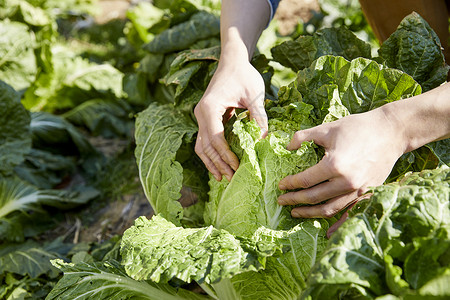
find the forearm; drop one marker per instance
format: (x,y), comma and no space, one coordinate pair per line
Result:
(241,24)
(422,119)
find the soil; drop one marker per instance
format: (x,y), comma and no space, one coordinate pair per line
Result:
(289,12)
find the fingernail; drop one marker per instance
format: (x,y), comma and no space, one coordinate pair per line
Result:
(280,201)
(228,177)
(295,214)
(218,178)
(281,186)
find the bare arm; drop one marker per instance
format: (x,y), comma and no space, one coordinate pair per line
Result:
(236,84)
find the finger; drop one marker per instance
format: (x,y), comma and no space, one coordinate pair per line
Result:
(216,159)
(208,163)
(317,193)
(306,179)
(215,129)
(258,112)
(326,210)
(336,225)
(301,136)
(344,216)
(220,145)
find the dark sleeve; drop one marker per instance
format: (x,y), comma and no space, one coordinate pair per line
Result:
(273,7)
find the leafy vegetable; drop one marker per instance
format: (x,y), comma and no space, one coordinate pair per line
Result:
(160,132)
(108,280)
(415,49)
(200,26)
(204,255)
(17,64)
(391,239)
(15,137)
(300,53)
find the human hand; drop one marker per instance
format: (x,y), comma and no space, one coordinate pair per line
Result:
(360,151)
(235,84)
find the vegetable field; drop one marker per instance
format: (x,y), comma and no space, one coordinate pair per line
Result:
(103,197)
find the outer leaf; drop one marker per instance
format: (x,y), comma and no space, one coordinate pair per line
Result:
(28,258)
(15,137)
(108,280)
(17,197)
(102,117)
(415,49)
(44,169)
(160,131)
(18,63)
(55,134)
(386,246)
(202,25)
(284,277)
(360,85)
(72,81)
(440,149)
(201,254)
(300,53)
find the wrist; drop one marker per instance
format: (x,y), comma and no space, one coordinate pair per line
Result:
(234,49)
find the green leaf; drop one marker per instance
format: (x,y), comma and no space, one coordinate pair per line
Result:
(200,26)
(415,49)
(53,133)
(44,169)
(107,118)
(27,258)
(395,243)
(18,197)
(336,87)
(160,131)
(15,137)
(17,63)
(300,53)
(201,254)
(72,81)
(108,280)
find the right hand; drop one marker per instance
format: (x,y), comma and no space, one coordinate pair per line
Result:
(235,84)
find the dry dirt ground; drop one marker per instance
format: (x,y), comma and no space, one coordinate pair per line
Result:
(119,214)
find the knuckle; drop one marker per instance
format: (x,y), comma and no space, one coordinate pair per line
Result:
(328,212)
(311,197)
(198,149)
(351,184)
(301,182)
(297,136)
(336,167)
(216,142)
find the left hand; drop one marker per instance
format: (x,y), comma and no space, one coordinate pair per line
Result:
(360,151)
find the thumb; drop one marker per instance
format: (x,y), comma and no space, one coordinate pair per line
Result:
(258,112)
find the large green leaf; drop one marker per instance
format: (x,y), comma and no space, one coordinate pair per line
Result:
(160,132)
(202,254)
(44,169)
(108,280)
(300,53)
(337,87)
(27,258)
(18,197)
(17,63)
(108,118)
(200,26)
(415,49)
(15,137)
(72,81)
(394,243)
